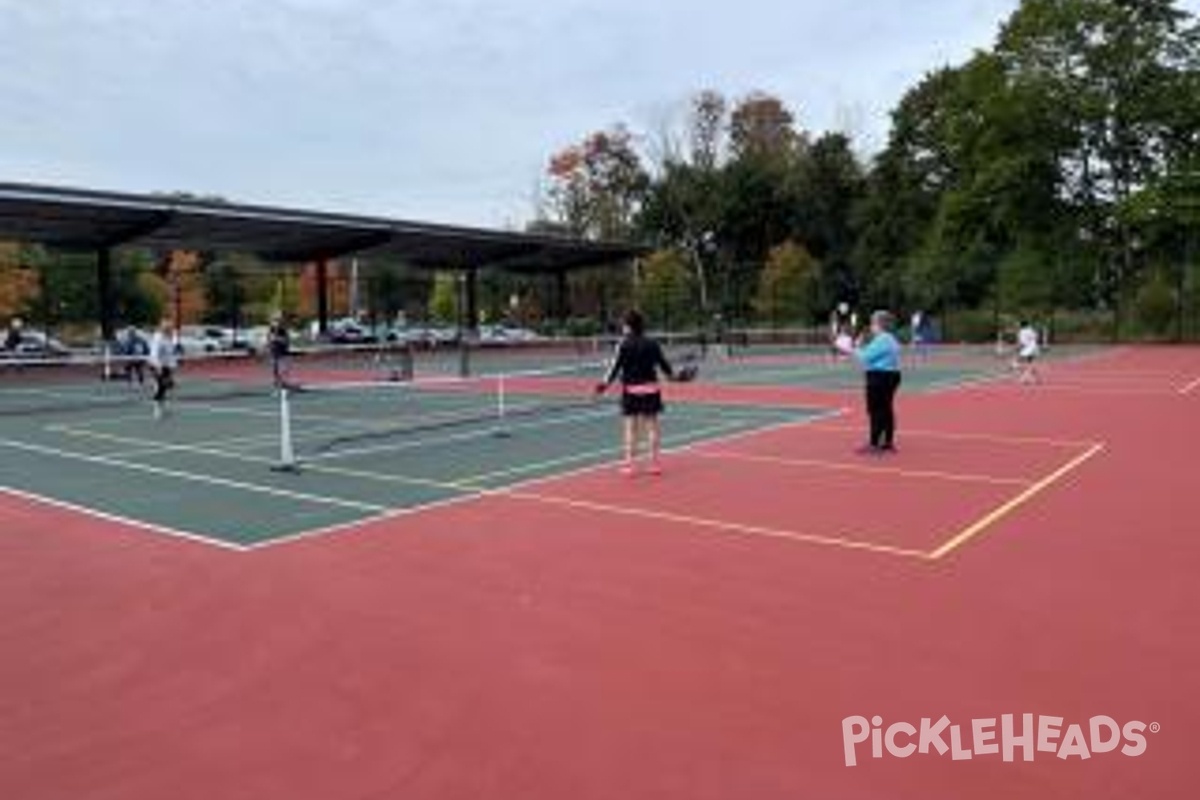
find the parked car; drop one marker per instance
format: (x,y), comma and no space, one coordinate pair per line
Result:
(506,334)
(350,331)
(38,344)
(254,340)
(222,338)
(441,334)
(189,344)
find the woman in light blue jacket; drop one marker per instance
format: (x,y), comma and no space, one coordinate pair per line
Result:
(880,358)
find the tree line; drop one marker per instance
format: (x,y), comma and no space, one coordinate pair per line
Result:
(1056,172)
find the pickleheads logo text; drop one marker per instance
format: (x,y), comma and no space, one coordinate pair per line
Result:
(1027,735)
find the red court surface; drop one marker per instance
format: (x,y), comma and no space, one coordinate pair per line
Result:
(702,635)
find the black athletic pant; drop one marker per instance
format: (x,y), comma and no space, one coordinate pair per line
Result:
(881,397)
(164,381)
(135,371)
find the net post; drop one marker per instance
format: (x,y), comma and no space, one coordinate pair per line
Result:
(408,359)
(502,407)
(464,358)
(287,452)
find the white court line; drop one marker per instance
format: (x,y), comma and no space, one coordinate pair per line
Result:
(117,519)
(470,493)
(467,484)
(491,430)
(948,385)
(264,440)
(1191,387)
(488,431)
(1084,389)
(842,466)
(227,455)
(997,375)
(377,512)
(678,449)
(970,437)
(587,455)
(723,526)
(803,371)
(190,477)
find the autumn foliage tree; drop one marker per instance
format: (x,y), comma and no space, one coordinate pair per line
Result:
(18,283)
(596,187)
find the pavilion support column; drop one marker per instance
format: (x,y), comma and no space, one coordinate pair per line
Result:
(562,303)
(471,318)
(104,287)
(323,298)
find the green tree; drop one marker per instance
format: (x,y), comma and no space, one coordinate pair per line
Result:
(787,286)
(385,291)
(443,301)
(828,184)
(1155,305)
(139,297)
(666,289)
(1025,284)
(904,189)
(225,295)
(1122,79)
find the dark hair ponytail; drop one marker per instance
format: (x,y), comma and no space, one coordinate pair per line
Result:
(635,322)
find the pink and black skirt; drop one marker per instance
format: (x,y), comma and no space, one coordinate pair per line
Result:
(642,400)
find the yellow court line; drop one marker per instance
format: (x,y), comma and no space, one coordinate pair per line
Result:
(731,528)
(960,477)
(1093,390)
(1116,374)
(1073,444)
(474,484)
(699,435)
(1191,387)
(469,485)
(188,477)
(163,447)
(975,529)
(1112,379)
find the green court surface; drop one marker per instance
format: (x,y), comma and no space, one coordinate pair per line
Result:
(948,367)
(838,376)
(205,471)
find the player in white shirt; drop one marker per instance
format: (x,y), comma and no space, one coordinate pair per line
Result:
(163,360)
(1028,349)
(843,325)
(919,335)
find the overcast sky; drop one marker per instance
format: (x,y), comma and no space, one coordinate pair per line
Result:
(429,109)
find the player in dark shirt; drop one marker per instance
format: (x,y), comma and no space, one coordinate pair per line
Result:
(279,346)
(638,364)
(12,336)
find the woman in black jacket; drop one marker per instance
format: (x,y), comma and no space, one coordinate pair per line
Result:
(637,366)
